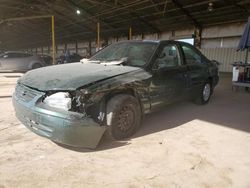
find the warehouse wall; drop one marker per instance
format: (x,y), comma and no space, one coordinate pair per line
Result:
(218,42)
(222,36)
(226,56)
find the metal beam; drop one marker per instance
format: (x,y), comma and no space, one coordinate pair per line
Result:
(158,13)
(236,4)
(68,19)
(99,3)
(228,17)
(98,36)
(185,11)
(53,39)
(155,5)
(26,18)
(61,15)
(134,14)
(165,6)
(117,7)
(94,18)
(130,33)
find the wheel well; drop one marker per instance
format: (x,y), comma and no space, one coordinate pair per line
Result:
(101,106)
(128,91)
(210,79)
(117,92)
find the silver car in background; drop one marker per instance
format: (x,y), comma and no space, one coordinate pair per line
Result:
(19,61)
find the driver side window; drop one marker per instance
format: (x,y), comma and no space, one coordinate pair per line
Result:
(191,56)
(169,57)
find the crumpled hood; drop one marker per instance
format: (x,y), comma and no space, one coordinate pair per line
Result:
(71,76)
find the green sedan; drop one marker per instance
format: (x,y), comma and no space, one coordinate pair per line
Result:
(75,104)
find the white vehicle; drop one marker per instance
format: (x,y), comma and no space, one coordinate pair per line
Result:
(19,61)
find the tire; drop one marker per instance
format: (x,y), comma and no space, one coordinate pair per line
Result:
(36,66)
(123,116)
(204,94)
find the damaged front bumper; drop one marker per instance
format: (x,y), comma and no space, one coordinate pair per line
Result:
(69,128)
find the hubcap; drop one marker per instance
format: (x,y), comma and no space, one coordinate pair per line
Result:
(206,92)
(126,118)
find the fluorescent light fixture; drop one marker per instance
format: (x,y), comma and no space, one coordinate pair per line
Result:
(78,12)
(210,7)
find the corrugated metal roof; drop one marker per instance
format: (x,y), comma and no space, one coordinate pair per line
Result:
(115,17)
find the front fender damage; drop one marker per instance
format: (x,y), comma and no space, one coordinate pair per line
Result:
(91,100)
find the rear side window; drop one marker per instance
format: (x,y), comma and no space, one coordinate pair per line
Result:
(191,55)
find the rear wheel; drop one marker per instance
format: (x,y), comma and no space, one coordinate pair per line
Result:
(123,116)
(204,94)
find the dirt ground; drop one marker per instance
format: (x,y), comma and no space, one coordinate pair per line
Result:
(184,145)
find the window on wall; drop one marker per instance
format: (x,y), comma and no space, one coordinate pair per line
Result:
(188,40)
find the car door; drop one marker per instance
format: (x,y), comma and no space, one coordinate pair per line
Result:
(168,76)
(197,71)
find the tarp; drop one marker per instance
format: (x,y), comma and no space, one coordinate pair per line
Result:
(245,39)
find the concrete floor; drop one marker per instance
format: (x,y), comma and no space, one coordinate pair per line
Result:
(184,145)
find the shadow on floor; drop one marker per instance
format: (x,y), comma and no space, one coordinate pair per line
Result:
(226,108)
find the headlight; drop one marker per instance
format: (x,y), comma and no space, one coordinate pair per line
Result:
(59,100)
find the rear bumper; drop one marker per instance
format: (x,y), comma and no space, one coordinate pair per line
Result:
(69,128)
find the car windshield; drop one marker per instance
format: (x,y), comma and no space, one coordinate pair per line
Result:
(131,53)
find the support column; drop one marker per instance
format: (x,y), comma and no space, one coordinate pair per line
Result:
(90,53)
(53,39)
(130,33)
(98,36)
(197,37)
(76,47)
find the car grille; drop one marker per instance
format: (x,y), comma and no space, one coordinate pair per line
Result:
(25,94)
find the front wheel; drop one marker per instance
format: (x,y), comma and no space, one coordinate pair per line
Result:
(123,116)
(204,94)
